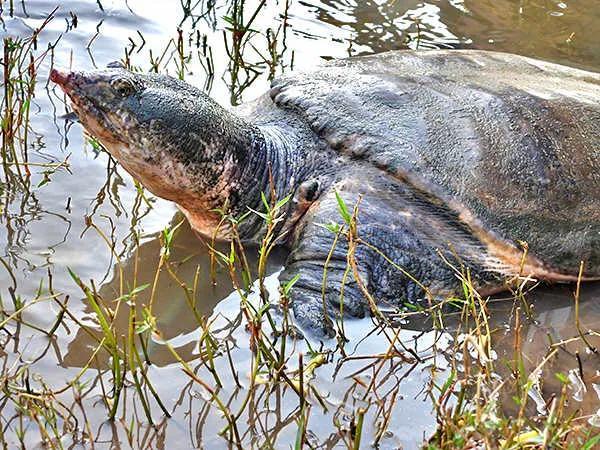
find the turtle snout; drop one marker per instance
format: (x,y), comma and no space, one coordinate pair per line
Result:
(67,80)
(60,77)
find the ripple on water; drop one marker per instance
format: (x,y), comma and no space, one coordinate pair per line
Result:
(44,228)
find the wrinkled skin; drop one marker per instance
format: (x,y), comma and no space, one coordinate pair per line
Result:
(453,158)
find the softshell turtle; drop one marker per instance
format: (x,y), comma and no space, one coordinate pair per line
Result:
(453,157)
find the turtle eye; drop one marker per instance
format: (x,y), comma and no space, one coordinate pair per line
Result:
(123,86)
(115,65)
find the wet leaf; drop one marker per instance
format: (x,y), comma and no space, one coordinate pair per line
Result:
(343,209)
(287,287)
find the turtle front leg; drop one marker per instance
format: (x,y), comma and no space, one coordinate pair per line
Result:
(326,287)
(395,258)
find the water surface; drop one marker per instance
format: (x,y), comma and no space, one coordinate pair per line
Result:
(45,229)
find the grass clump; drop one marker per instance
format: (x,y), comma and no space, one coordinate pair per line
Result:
(20,64)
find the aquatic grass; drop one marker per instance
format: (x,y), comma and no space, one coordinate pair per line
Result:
(473,343)
(236,37)
(126,356)
(477,416)
(467,403)
(239,35)
(268,361)
(32,404)
(251,52)
(20,63)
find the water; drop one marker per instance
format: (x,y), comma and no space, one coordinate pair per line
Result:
(45,229)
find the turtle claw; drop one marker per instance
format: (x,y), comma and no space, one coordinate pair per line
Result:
(310,316)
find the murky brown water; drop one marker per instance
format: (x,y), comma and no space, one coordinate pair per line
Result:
(44,229)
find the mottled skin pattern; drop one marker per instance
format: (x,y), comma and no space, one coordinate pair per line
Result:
(459,154)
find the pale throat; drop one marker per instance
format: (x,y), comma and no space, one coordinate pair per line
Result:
(199,212)
(208,224)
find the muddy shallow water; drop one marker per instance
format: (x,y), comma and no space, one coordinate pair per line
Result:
(45,227)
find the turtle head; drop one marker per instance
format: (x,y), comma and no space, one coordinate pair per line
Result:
(168,134)
(108,103)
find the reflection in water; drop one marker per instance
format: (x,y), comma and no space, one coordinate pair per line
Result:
(553,30)
(79,210)
(190,262)
(383,26)
(551,325)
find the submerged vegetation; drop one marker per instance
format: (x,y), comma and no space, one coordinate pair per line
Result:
(132,352)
